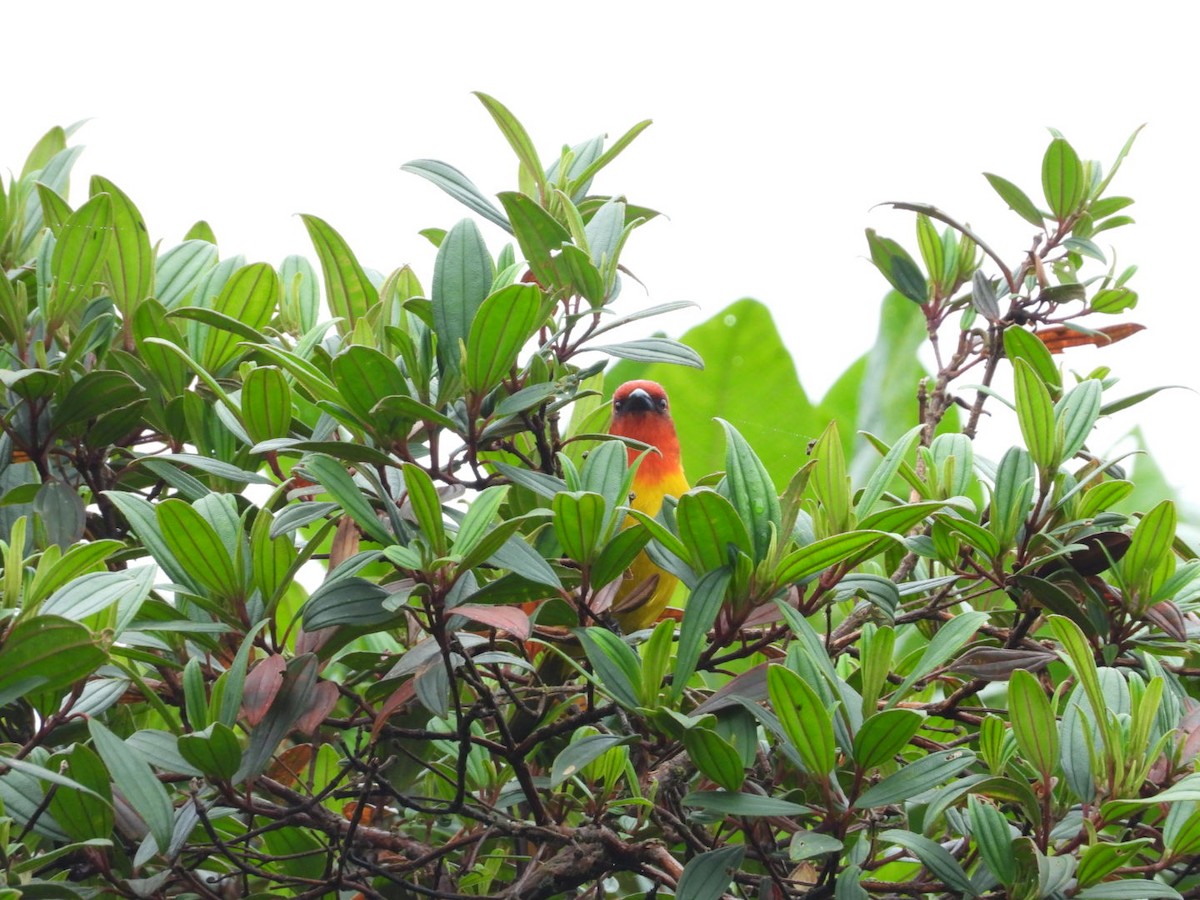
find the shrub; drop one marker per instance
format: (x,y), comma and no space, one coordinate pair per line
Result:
(303,598)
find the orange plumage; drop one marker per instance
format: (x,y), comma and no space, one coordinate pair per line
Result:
(641,411)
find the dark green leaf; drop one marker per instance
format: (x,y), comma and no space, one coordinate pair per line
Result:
(1018,201)
(215,751)
(616,666)
(742,804)
(897,267)
(578,754)
(704,603)
(194,542)
(707,876)
(715,757)
(916,778)
(936,858)
(335,479)
(135,779)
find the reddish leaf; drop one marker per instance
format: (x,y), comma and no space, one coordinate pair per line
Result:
(505,618)
(1059,338)
(313,641)
(350,813)
(324,698)
(401,697)
(289,765)
(262,686)
(1167,616)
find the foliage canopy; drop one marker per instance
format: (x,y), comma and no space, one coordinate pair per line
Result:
(287,550)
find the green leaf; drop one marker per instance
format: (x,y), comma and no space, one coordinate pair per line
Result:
(617,667)
(751,491)
(46,654)
(1114,300)
(136,780)
(808,844)
(947,642)
(916,778)
(335,479)
(79,256)
(579,523)
(518,139)
(505,321)
(1022,344)
(539,235)
(993,837)
(194,542)
(130,257)
(1035,415)
(897,267)
(215,751)
(365,377)
(1018,201)
(1033,721)
(704,603)
(1062,179)
(1012,496)
(458,186)
(1129,887)
(348,291)
(1077,412)
(1083,663)
(715,757)
(579,753)
(935,857)
(820,555)
(426,506)
(710,528)
(653,350)
(1151,544)
(882,475)
(707,875)
(348,601)
(88,594)
(266,403)
(462,278)
(248,297)
(750,805)
(883,735)
(179,270)
(804,719)
(85,811)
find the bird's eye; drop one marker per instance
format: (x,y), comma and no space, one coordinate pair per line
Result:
(662,404)
(617,404)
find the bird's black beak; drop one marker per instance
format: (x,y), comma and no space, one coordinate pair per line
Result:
(638,401)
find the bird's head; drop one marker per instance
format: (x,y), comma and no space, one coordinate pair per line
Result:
(640,410)
(635,399)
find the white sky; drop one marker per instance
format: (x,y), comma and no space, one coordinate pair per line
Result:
(776,129)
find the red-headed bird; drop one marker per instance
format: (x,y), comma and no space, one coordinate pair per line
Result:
(640,411)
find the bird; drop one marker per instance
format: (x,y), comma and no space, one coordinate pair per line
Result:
(641,411)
